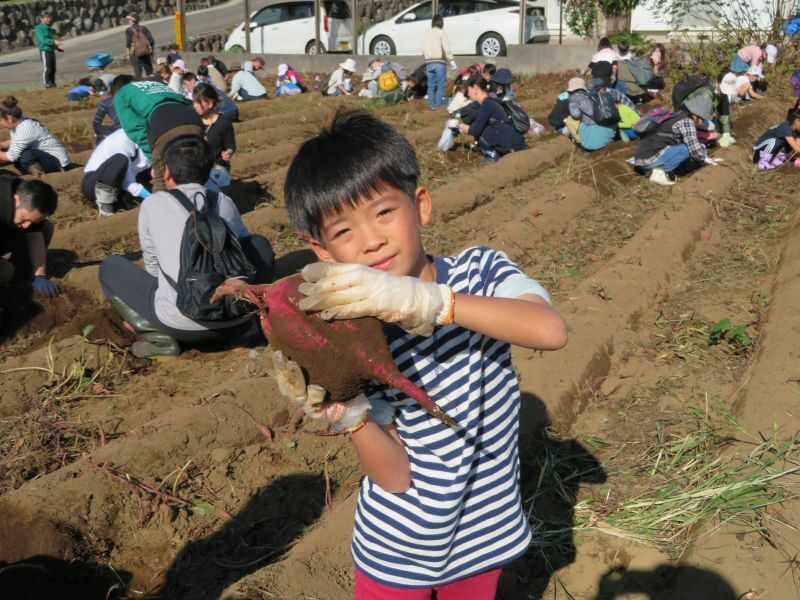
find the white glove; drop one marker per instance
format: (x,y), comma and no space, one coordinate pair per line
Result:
(713,162)
(341,416)
(453,65)
(350,291)
(725,140)
(453,123)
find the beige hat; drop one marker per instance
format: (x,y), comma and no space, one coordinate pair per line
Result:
(349,65)
(575,84)
(161,60)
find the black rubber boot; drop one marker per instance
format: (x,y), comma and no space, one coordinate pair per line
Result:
(154,342)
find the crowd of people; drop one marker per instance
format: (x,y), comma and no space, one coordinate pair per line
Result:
(165,144)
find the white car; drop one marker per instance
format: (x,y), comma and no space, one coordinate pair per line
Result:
(484,27)
(288,28)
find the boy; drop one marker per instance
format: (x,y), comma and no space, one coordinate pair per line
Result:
(146,298)
(772,149)
(48,46)
(440,507)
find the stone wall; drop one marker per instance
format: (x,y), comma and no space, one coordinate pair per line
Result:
(75,17)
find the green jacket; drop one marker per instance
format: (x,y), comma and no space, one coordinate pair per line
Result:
(135,103)
(44,37)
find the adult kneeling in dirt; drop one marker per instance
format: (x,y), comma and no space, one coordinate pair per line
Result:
(147,299)
(25,231)
(152,115)
(584,124)
(492,125)
(110,177)
(32,148)
(674,145)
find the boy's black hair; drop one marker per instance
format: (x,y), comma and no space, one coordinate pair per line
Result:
(35,194)
(604,43)
(623,46)
(489,69)
(202,70)
(348,161)
(188,76)
(85,81)
(478,80)
(792,114)
(189,159)
(119,81)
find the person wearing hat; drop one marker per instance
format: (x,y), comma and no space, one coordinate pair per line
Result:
(289,82)
(173,54)
(720,108)
(337,83)
(176,77)
(139,44)
(48,46)
(753,56)
(581,125)
(501,85)
(741,87)
(674,146)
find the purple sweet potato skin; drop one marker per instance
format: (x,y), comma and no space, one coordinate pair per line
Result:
(341,356)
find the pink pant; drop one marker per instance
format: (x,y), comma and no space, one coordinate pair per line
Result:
(478,587)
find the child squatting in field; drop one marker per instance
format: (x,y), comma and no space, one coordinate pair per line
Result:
(440,507)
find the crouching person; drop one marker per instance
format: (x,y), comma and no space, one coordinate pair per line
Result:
(492,126)
(111,175)
(25,232)
(593,113)
(778,143)
(674,146)
(177,230)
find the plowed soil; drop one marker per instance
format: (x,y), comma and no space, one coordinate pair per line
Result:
(178,478)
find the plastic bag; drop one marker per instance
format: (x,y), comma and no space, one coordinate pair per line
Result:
(536,128)
(446,141)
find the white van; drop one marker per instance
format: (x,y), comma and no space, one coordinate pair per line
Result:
(288,28)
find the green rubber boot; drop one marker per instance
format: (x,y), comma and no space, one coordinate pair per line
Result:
(154,342)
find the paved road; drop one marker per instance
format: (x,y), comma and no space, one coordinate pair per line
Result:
(22,69)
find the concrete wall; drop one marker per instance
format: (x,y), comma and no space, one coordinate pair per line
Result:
(75,17)
(529,60)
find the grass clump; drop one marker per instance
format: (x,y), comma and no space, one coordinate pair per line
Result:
(684,481)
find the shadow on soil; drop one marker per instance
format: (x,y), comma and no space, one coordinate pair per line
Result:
(258,535)
(544,461)
(664,583)
(47,578)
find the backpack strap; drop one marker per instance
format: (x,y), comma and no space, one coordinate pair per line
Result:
(210,201)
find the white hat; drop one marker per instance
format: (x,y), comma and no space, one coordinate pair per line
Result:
(161,60)
(349,65)
(728,84)
(772,52)
(369,75)
(282,68)
(575,84)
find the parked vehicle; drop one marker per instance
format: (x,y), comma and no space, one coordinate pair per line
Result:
(484,27)
(288,28)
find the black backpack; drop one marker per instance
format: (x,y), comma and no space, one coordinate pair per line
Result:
(604,108)
(519,118)
(684,87)
(322,85)
(210,254)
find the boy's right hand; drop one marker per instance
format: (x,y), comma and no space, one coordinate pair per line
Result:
(343,417)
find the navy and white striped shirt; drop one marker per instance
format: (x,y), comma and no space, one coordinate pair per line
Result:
(32,134)
(462,514)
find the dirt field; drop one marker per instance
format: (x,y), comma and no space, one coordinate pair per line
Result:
(657,447)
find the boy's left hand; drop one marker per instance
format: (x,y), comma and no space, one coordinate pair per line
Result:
(350,291)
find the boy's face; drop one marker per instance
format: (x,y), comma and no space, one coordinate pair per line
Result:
(382,232)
